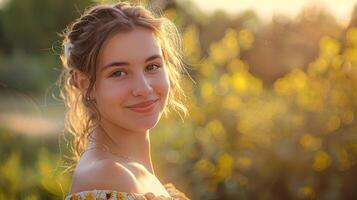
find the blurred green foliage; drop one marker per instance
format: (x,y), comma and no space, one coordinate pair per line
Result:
(30,41)
(294,140)
(272,113)
(31,167)
(32,26)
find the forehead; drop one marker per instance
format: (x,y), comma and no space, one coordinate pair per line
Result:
(134,46)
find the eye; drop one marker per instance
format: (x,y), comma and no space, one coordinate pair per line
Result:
(152,67)
(118,74)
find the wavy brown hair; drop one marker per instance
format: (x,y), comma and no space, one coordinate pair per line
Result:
(82,42)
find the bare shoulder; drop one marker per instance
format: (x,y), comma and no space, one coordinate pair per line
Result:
(105,174)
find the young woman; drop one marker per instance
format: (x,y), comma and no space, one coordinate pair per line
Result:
(121,72)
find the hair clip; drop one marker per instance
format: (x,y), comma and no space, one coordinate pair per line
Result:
(67,49)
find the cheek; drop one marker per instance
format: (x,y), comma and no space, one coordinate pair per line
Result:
(165,85)
(107,94)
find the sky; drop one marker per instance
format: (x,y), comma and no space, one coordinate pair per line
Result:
(341,9)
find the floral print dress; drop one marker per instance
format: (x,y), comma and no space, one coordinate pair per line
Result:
(104,195)
(115,195)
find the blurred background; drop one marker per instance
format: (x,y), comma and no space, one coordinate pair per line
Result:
(272,109)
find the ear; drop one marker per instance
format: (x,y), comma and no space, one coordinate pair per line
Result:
(81,80)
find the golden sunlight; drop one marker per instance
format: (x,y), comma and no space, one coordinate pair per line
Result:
(266,9)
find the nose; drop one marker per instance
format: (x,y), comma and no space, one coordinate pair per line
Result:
(142,86)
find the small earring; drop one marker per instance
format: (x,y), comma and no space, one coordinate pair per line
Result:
(88,99)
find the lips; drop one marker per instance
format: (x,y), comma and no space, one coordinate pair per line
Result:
(143,104)
(143,107)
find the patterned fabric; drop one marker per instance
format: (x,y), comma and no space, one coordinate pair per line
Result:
(115,195)
(104,195)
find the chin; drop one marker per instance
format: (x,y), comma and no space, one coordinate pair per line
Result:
(146,125)
(145,122)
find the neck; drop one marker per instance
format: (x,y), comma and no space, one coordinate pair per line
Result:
(132,144)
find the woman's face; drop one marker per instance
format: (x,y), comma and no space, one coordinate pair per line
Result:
(132,83)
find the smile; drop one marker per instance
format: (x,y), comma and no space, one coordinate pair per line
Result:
(143,107)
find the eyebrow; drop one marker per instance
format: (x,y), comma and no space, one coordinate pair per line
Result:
(119,63)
